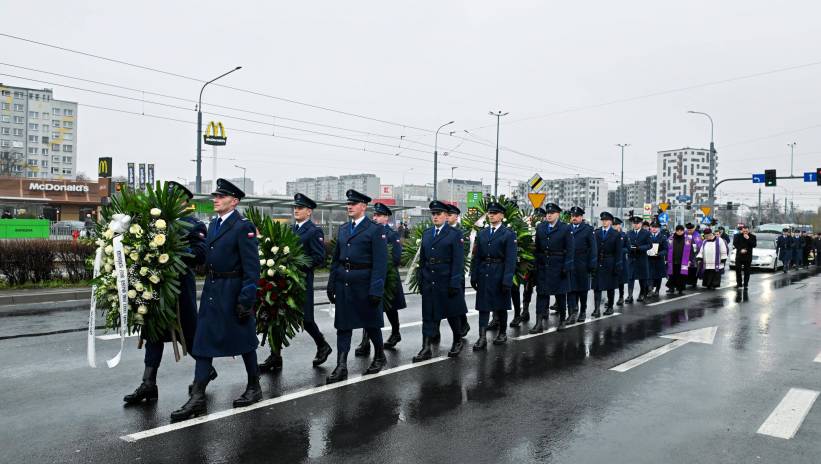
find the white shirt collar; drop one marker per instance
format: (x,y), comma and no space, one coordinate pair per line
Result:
(357,221)
(225,216)
(300,224)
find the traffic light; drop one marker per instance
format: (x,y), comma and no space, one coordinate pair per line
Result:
(818,176)
(770,178)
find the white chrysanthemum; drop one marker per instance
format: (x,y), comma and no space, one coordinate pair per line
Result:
(142,309)
(270,273)
(135,229)
(163,258)
(155,279)
(139,287)
(132,294)
(281,267)
(269,263)
(286,250)
(156,212)
(147,295)
(107,268)
(159,239)
(109,234)
(160,224)
(262,262)
(275,250)
(109,249)
(134,256)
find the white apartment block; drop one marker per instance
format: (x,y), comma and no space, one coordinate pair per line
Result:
(334,188)
(38,134)
(589,193)
(685,171)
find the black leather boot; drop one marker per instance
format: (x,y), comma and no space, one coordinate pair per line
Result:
(252,394)
(620,301)
(322,352)
(456,348)
(526,314)
(212,374)
(572,315)
(379,361)
(147,390)
(582,315)
(340,372)
(562,319)
(272,363)
(465,327)
(517,321)
(501,337)
(538,327)
(642,295)
(629,299)
(392,341)
(494,322)
(425,352)
(195,405)
(437,337)
(364,348)
(481,343)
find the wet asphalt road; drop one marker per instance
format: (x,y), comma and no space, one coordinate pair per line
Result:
(550,398)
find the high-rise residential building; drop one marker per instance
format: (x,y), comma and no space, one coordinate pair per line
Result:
(635,195)
(685,171)
(589,193)
(457,190)
(334,188)
(38,134)
(246,184)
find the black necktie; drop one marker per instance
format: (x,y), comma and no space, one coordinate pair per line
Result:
(436,233)
(296,227)
(219,223)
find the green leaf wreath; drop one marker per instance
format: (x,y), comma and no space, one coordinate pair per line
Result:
(281,287)
(410,251)
(154,243)
(515,221)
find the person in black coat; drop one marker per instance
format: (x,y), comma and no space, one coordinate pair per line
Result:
(554,266)
(618,224)
(381,216)
(743,244)
(356,284)
(640,241)
(657,260)
(312,240)
(453,221)
(584,264)
(226,323)
(441,276)
(492,267)
(147,390)
(609,264)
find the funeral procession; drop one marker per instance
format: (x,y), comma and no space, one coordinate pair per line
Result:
(410,232)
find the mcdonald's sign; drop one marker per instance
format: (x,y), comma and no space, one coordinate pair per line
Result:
(215,134)
(104,167)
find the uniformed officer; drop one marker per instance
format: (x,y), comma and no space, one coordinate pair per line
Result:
(441,280)
(609,273)
(312,240)
(529,284)
(187,303)
(783,248)
(492,267)
(584,264)
(797,249)
(453,221)
(618,224)
(657,260)
(555,252)
(640,242)
(226,324)
(356,284)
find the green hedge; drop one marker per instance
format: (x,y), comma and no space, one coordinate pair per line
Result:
(23,261)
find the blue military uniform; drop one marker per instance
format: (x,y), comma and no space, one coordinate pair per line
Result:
(356,284)
(392,237)
(584,263)
(783,246)
(555,250)
(640,242)
(441,281)
(187,301)
(797,246)
(609,264)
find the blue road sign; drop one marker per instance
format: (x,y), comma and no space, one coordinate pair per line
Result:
(707,220)
(684,198)
(664,218)
(758,178)
(810,176)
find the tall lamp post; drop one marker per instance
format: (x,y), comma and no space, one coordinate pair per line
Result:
(198,180)
(498,115)
(792,154)
(436,156)
(711,190)
(621,188)
(243,176)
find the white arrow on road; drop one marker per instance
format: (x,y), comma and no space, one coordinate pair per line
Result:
(706,335)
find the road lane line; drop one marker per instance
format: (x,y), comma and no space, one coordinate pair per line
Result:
(674,299)
(787,417)
(649,356)
(554,329)
(272,401)
(115,336)
(470,313)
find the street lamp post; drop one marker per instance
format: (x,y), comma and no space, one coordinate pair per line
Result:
(711,190)
(243,176)
(452,168)
(436,156)
(498,115)
(621,189)
(792,154)
(198,180)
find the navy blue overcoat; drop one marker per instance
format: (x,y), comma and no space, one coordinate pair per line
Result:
(441,267)
(492,266)
(554,258)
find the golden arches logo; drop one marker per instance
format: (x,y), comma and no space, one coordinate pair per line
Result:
(215,134)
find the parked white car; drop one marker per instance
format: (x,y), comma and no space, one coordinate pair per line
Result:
(764,255)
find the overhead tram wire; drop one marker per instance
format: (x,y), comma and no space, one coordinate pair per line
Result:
(190,78)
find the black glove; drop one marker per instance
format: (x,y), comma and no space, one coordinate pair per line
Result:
(374,300)
(452,292)
(331,295)
(243,313)
(474,284)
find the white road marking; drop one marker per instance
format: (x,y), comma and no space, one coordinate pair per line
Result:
(787,417)
(470,313)
(706,335)
(817,358)
(272,401)
(554,329)
(114,336)
(674,299)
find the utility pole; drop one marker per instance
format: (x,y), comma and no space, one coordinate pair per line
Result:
(198,180)
(436,156)
(760,218)
(792,156)
(772,216)
(498,115)
(711,188)
(622,190)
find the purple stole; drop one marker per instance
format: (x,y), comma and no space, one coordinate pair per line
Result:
(685,254)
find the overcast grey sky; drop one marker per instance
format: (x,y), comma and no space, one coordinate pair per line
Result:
(557,67)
